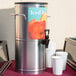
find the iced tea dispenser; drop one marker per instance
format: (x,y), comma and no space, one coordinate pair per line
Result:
(31,38)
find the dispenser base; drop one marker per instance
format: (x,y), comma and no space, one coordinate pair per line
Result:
(30,72)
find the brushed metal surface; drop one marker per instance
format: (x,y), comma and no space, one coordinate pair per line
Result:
(21,21)
(30,55)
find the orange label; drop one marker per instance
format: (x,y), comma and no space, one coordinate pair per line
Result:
(36,23)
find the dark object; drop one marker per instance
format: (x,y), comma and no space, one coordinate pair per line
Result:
(70,47)
(5,67)
(4,50)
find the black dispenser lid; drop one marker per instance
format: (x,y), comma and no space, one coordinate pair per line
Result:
(31,3)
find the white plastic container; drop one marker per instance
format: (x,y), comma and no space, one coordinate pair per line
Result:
(49,52)
(64,58)
(57,65)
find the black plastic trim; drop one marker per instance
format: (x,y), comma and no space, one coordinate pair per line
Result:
(31,3)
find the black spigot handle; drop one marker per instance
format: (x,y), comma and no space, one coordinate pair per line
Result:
(47,31)
(46,40)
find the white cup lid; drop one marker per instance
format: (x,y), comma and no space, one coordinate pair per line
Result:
(56,57)
(61,53)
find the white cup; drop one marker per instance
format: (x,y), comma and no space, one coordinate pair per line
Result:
(57,65)
(64,58)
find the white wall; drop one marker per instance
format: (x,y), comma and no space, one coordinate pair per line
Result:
(63,16)
(62,21)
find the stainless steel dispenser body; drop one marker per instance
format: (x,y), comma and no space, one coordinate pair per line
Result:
(29,53)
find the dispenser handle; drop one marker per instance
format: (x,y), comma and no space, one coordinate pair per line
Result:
(19,15)
(48,16)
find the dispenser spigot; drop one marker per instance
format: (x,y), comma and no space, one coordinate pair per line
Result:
(47,37)
(46,40)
